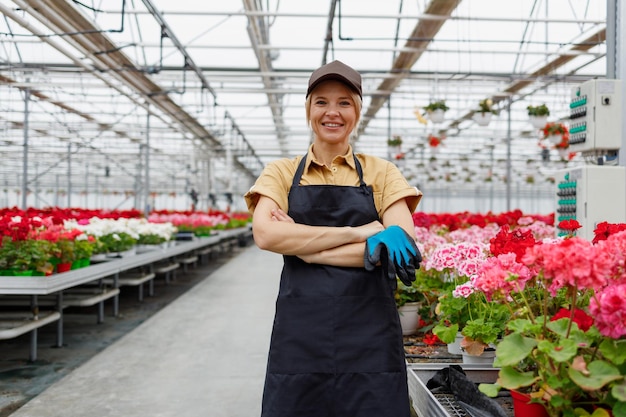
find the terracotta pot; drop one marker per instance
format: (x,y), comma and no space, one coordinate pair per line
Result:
(524,408)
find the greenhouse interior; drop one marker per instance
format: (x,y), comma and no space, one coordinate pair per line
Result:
(131,131)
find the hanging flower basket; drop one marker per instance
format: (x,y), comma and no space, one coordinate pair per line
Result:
(485,112)
(557,134)
(436,111)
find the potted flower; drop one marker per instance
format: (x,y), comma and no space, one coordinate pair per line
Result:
(409,301)
(563,346)
(469,319)
(538,115)
(436,110)
(84,247)
(25,257)
(485,112)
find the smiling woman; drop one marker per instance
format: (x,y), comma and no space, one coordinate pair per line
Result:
(343,222)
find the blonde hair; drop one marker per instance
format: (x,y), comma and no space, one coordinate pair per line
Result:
(356,98)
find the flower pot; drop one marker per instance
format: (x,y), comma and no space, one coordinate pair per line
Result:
(436,116)
(63,267)
(486,358)
(524,408)
(482,119)
(538,121)
(455,347)
(409,317)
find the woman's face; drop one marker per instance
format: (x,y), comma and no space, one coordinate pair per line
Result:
(333,112)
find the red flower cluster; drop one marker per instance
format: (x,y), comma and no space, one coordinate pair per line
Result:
(434,141)
(515,242)
(454,221)
(431,339)
(582,319)
(604,230)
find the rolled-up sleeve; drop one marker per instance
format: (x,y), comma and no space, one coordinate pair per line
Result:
(397,188)
(274,182)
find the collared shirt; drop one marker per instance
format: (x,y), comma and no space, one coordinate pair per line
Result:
(388,183)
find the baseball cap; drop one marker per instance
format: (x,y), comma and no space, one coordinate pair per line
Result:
(336,70)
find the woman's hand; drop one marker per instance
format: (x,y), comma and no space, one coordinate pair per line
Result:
(281,216)
(367,230)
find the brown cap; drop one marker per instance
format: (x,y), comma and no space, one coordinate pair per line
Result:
(339,71)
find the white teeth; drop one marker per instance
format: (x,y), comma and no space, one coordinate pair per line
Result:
(332,124)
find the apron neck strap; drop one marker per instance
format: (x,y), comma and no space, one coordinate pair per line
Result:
(298,175)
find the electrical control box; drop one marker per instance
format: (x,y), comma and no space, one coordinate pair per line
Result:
(590,194)
(596,116)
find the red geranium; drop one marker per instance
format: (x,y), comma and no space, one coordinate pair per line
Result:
(515,242)
(582,319)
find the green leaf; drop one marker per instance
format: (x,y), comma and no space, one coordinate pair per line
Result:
(446,334)
(490,390)
(513,349)
(510,378)
(614,350)
(600,374)
(562,351)
(619,409)
(619,392)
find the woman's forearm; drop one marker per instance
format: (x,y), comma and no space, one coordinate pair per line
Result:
(350,255)
(299,239)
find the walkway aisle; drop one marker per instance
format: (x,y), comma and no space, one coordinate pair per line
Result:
(204,355)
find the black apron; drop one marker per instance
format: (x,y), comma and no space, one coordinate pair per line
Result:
(336,348)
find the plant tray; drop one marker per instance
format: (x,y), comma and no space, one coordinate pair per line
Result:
(427,404)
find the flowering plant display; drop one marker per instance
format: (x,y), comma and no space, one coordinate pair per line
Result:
(35,239)
(453,247)
(565,342)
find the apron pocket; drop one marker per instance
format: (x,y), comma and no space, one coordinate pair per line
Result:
(302,338)
(368,335)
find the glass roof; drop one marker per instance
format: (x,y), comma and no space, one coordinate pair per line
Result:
(155,97)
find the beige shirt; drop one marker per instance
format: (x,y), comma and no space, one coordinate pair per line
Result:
(388,183)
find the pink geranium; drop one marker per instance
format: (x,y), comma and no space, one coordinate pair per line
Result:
(572,262)
(500,275)
(608,307)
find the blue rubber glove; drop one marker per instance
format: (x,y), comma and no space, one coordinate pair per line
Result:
(396,251)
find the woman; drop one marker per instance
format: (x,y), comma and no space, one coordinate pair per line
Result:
(343,223)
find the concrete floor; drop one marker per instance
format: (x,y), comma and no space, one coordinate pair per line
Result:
(202,355)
